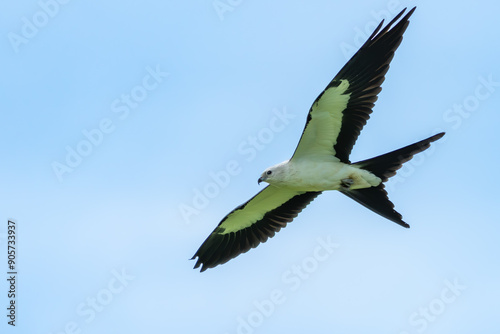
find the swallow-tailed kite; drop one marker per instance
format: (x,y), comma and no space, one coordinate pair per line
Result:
(321,160)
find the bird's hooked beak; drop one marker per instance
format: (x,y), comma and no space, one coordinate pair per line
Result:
(260,180)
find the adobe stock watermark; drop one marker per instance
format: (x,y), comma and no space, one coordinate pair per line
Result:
(31,26)
(121,108)
(361,35)
(421,319)
(248,149)
(471,103)
(89,309)
(222,7)
(292,278)
(454,117)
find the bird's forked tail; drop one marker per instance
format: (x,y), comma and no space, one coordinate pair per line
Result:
(385,166)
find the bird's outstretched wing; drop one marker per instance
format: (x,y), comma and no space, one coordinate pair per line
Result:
(250,224)
(339,113)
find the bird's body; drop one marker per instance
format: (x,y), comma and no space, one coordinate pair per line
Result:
(320,175)
(321,160)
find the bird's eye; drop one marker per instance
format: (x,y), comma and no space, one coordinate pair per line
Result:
(269,172)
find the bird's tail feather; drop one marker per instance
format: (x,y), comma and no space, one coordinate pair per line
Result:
(385,166)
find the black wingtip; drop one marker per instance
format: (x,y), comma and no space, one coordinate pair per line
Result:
(404,224)
(198,264)
(437,136)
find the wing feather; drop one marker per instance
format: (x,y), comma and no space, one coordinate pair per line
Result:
(340,112)
(251,224)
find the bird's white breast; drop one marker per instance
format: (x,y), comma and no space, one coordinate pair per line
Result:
(307,175)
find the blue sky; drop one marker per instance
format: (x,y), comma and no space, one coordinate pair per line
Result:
(118,116)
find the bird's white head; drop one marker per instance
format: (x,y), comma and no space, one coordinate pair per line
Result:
(275,174)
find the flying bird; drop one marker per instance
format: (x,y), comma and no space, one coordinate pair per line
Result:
(321,160)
